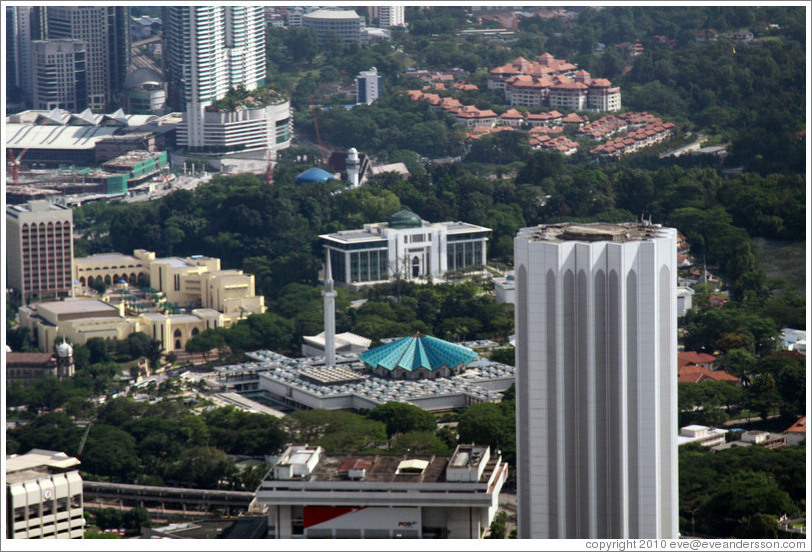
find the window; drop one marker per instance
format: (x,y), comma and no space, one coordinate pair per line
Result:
(33,511)
(19,513)
(76,501)
(62,504)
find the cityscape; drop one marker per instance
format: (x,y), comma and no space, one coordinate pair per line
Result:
(392,271)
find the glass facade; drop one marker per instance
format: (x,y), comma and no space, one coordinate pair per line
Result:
(464,254)
(369,266)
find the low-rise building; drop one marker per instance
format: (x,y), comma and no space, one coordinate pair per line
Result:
(311,494)
(765,439)
(29,367)
(44,496)
(703,435)
(796,433)
(407,247)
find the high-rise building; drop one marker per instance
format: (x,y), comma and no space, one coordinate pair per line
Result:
(596,386)
(368,84)
(391,16)
(44,496)
(24,24)
(39,249)
(209,50)
(60,74)
(106,30)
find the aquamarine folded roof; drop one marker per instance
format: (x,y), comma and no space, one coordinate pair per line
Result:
(410,353)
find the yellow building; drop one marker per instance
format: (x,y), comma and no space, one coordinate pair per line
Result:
(213,297)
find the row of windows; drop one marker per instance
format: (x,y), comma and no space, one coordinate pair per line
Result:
(463,255)
(46,508)
(369,266)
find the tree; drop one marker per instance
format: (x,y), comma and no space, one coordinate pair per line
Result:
(762,396)
(499,526)
(401,417)
(418,442)
(492,424)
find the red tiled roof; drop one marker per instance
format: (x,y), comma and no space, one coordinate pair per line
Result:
(693,357)
(798,427)
(512,114)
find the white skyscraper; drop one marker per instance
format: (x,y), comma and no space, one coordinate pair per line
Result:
(596,386)
(210,49)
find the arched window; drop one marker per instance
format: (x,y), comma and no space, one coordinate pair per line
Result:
(177,333)
(195,331)
(177,344)
(415,267)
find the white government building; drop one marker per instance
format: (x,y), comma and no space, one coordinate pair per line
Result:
(406,246)
(596,381)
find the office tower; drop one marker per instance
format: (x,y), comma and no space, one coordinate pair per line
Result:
(39,249)
(24,24)
(106,30)
(391,16)
(207,51)
(60,74)
(596,386)
(368,85)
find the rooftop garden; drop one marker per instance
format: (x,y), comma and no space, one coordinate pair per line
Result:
(239,98)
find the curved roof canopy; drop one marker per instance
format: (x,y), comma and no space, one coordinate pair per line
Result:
(314,174)
(411,353)
(405,219)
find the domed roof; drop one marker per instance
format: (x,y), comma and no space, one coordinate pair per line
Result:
(64,349)
(411,353)
(511,277)
(314,174)
(405,219)
(142,76)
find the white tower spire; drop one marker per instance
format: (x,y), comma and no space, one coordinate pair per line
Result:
(353,167)
(329,295)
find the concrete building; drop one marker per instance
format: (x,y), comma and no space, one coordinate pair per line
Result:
(59,70)
(345,343)
(368,86)
(44,496)
(703,435)
(39,254)
(329,24)
(505,289)
(111,268)
(391,16)
(106,31)
(24,24)
(209,49)
(406,246)
(596,386)
(310,494)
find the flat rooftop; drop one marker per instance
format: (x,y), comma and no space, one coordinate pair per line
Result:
(39,459)
(593,232)
(76,306)
(107,257)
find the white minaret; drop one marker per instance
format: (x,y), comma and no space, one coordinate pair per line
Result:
(329,316)
(353,167)
(596,381)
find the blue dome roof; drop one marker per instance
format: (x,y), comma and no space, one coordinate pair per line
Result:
(314,174)
(411,353)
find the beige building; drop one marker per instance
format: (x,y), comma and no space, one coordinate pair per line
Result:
(213,298)
(44,496)
(39,249)
(110,268)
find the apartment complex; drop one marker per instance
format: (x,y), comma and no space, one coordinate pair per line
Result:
(39,249)
(596,386)
(555,83)
(310,494)
(44,496)
(209,49)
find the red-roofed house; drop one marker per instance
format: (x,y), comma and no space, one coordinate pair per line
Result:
(796,433)
(512,118)
(692,373)
(685,358)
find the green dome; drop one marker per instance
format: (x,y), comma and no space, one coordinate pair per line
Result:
(405,219)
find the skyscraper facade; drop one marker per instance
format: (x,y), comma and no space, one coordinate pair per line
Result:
(392,16)
(24,24)
(39,249)
(106,30)
(596,386)
(60,74)
(208,50)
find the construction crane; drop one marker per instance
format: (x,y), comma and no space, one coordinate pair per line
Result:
(14,164)
(318,137)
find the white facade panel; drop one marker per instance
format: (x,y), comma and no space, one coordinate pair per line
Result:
(596,381)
